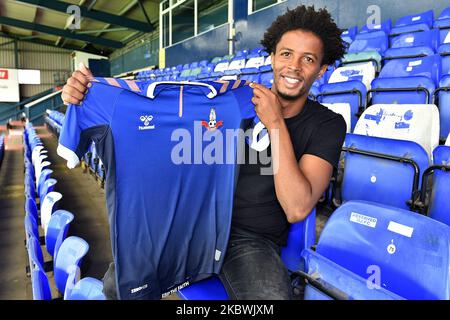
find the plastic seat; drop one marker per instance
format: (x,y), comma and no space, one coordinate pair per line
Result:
(343,109)
(385,26)
(47,187)
(382,170)
(349,34)
(364,72)
(365,238)
(427,39)
(301,236)
(84,289)
(414,23)
(352,92)
(443,95)
(407,81)
(40,285)
(31,208)
(411,122)
(443,21)
(370,41)
(45,174)
(438,204)
(57,229)
(70,255)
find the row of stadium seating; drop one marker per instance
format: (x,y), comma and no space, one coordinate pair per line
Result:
(40,214)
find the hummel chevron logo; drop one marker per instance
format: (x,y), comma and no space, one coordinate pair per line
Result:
(146,120)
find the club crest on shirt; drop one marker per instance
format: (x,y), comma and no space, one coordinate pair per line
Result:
(212,124)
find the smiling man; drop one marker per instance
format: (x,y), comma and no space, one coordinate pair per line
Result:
(306,143)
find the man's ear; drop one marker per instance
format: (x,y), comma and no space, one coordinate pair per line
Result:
(323,68)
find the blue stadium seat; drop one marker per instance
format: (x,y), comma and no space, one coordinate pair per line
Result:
(443,98)
(389,247)
(444,52)
(414,23)
(424,39)
(382,170)
(349,34)
(301,236)
(70,255)
(31,226)
(438,202)
(352,92)
(385,26)
(370,41)
(45,174)
(40,285)
(407,81)
(84,289)
(57,229)
(31,208)
(47,187)
(443,21)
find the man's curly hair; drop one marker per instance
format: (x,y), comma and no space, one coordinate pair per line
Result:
(306,18)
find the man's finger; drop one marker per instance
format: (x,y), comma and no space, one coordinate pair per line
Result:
(73,92)
(259,86)
(84,70)
(69,99)
(80,77)
(73,82)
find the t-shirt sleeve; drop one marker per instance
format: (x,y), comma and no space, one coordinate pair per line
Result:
(328,139)
(96,110)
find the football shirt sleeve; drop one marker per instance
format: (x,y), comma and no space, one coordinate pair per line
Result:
(84,121)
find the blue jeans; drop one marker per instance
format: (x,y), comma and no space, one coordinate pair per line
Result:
(253,269)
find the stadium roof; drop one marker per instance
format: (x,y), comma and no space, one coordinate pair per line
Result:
(104,25)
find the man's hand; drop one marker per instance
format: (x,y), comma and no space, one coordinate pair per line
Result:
(267,106)
(76,86)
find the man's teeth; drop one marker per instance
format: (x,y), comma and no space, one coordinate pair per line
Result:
(292,80)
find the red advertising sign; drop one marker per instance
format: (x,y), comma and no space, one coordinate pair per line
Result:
(3,74)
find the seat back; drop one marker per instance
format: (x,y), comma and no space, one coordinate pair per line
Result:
(439,206)
(70,254)
(444,107)
(412,122)
(57,228)
(371,177)
(383,26)
(351,92)
(343,109)
(429,67)
(364,72)
(426,17)
(47,187)
(40,285)
(84,289)
(427,38)
(411,252)
(370,41)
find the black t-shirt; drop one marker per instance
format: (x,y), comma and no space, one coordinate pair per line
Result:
(315,130)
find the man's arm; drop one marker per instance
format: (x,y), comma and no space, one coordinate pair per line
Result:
(298,185)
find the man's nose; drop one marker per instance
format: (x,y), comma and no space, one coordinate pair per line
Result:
(295,65)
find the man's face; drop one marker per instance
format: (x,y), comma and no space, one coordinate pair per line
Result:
(296,64)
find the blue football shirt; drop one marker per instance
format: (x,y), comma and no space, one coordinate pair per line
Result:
(170,162)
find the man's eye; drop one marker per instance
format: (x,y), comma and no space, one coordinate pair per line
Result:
(285,54)
(308,59)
